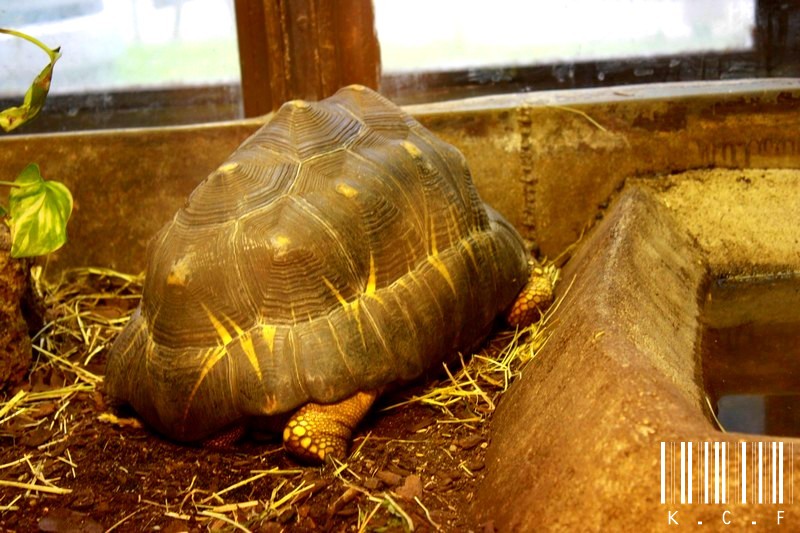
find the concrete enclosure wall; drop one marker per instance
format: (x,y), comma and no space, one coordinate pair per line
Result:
(549,161)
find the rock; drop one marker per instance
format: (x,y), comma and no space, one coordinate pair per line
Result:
(390,478)
(15,343)
(412,487)
(372,483)
(423,423)
(66,521)
(475,465)
(82,499)
(287,515)
(402,470)
(36,437)
(469,442)
(346,497)
(175,526)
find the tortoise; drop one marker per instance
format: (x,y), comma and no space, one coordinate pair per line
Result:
(341,249)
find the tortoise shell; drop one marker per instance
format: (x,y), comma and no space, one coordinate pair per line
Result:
(341,248)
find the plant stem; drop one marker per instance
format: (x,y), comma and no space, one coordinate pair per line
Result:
(9,184)
(49,51)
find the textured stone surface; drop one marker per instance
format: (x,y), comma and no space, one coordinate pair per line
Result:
(551,161)
(15,344)
(576,441)
(744,218)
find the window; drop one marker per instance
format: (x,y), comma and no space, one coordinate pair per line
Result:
(460,48)
(464,34)
(125,54)
(157,62)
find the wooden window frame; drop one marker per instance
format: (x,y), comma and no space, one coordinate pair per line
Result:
(304,49)
(309,48)
(776,53)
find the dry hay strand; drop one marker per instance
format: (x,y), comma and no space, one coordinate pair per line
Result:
(475,384)
(217,514)
(479,380)
(382,500)
(84,311)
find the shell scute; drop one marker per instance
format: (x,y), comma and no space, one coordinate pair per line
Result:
(304,132)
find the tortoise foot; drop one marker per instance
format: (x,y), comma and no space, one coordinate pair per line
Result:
(317,432)
(535,297)
(226,439)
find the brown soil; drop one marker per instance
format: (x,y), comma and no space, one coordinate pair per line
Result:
(412,467)
(120,471)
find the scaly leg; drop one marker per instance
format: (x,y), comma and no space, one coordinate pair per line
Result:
(226,439)
(316,431)
(535,297)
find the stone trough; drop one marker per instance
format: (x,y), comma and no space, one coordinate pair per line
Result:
(578,437)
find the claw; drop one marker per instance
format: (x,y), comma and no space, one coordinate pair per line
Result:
(534,299)
(318,432)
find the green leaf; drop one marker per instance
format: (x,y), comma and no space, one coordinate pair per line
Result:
(32,104)
(2,211)
(39,211)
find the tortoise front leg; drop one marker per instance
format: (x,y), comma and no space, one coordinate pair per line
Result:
(535,297)
(316,431)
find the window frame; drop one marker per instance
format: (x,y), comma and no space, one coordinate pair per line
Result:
(309,48)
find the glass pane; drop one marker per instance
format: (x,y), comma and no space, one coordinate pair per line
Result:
(440,35)
(120,44)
